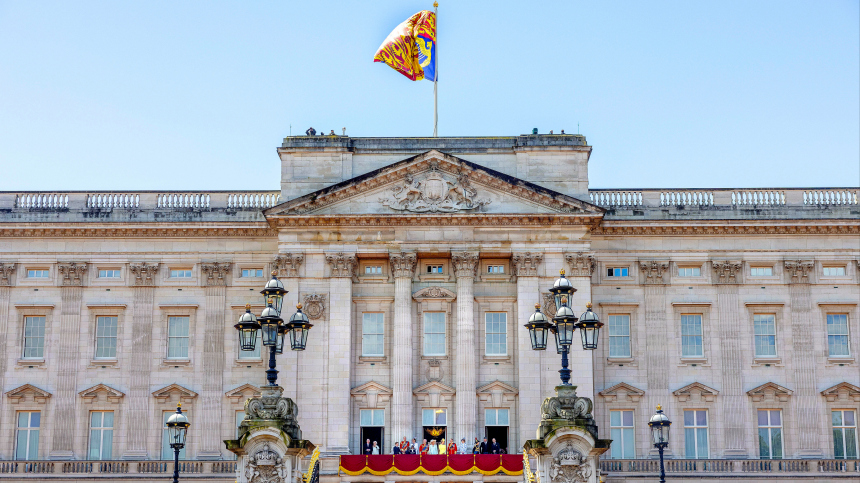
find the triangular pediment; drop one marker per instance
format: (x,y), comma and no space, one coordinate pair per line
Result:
(434,183)
(103,392)
(243,392)
(696,392)
(434,387)
(371,386)
(174,392)
(622,392)
(770,391)
(28,392)
(434,293)
(497,386)
(843,391)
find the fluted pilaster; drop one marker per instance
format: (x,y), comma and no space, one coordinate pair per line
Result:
(403,269)
(465,266)
(214,281)
(140,367)
(343,267)
(528,363)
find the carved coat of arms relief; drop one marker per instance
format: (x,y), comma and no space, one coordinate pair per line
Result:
(433,192)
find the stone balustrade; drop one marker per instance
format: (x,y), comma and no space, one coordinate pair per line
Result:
(714,467)
(138,200)
(764,197)
(116,468)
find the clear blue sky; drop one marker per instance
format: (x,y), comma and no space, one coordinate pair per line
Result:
(197,95)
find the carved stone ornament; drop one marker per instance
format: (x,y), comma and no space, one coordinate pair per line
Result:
(6,270)
(314,305)
(581,264)
(727,272)
(549,307)
(72,273)
(213,273)
(434,193)
(526,264)
(798,270)
(465,264)
(342,265)
(566,408)
(434,293)
(144,273)
(569,466)
(287,264)
(434,370)
(653,271)
(270,405)
(403,264)
(266,466)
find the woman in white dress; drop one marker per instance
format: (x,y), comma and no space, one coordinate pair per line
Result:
(434,448)
(375,449)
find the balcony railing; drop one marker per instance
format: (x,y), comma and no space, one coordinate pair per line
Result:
(114,467)
(139,200)
(765,197)
(704,467)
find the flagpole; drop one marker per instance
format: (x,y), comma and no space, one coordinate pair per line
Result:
(436,72)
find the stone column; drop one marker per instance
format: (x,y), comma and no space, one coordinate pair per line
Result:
(657,360)
(6,270)
(286,266)
(343,269)
(726,276)
(528,361)
(215,289)
(140,361)
(71,293)
(807,401)
(465,267)
(403,269)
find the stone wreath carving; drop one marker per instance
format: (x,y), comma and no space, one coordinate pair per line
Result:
(314,305)
(569,467)
(266,466)
(433,193)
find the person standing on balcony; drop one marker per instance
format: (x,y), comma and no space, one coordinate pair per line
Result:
(433,447)
(375,448)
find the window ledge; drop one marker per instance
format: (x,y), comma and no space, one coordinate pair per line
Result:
(619,360)
(501,277)
(429,358)
(372,359)
(372,278)
(176,362)
(436,277)
(31,362)
(833,361)
(496,359)
(699,361)
(99,363)
(774,361)
(247,362)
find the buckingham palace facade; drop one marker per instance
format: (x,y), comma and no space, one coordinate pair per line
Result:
(418,260)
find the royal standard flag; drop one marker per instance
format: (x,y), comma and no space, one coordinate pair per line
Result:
(411,48)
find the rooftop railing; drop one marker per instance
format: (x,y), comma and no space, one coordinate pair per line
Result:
(139,200)
(746,197)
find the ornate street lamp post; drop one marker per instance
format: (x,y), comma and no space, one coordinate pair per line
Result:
(565,323)
(177,430)
(272,327)
(659,425)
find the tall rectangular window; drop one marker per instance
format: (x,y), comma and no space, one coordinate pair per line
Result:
(764,326)
(166,450)
(373,334)
(180,273)
(434,333)
(177,337)
(691,336)
(254,354)
(34,337)
(109,273)
(616,272)
(761,271)
(834,271)
(496,324)
(619,335)
(689,271)
(837,335)
(770,434)
(38,273)
(27,435)
(696,433)
(101,435)
(844,434)
(623,437)
(497,417)
(106,337)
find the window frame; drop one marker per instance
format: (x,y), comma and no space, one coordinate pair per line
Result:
(695,427)
(846,335)
(689,267)
(96,337)
(436,411)
(164,446)
(612,275)
(24,337)
(756,335)
(425,333)
(843,427)
(769,427)
(47,272)
(496,413)
(167,337)
(118,272)
(825,267)
(29,429)
(101,429)
(373,413)
(381,334)
(504,333)
(701,335)
(628,336)
(762,267)
(622,428)
(262,272)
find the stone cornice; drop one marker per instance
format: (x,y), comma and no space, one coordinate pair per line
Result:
(738,227)
(134,231)
(399,219)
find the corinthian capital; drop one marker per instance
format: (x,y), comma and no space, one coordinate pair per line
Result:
(287,264)
(653,271)
(214,273)
(581,264)
(726,272)
(403,264)
(143,273)
(799,270)
(526,264)
(72,273)
(342,265)
(6,270)
(465,264)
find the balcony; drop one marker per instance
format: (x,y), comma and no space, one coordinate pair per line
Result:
(765,469)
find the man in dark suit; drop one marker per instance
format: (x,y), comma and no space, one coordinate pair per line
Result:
(495,448)
(485,448)
(368,447)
